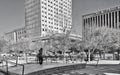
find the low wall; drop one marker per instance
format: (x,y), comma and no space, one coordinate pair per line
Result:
(58,69)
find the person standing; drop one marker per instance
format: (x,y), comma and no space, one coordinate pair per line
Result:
(40,57)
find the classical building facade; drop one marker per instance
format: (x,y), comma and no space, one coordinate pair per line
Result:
(47,16)
(16,35)
(109,18)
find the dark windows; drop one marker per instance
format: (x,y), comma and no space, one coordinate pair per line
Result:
(96,20)
(119,16)
(99,21)
(84,22)
(110,20)
(104,19)
(91,22)
(116,19)
(107,19)
(113,19)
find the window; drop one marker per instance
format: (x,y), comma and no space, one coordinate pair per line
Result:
(96,20)
(101,21)
(116,19)
(107,19)
(91,21)
(119,16)
(110,19)
(43,29)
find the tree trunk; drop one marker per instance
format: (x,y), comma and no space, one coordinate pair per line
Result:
(63,56)
(16,60)
(26,57)
(89,55)
(104,55)
(114,56)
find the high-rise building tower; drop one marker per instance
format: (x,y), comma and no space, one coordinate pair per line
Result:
(47,16)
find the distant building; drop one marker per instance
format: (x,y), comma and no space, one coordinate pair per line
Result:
(10,37)
(16,35)
(20,34)
(47,16)
(109,18)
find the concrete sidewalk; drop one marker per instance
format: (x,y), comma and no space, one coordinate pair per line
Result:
(105,62)
(111,74)
(45,68)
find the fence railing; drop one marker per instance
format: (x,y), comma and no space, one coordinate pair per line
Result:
(7,66)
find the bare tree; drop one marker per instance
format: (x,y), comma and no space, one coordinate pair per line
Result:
(98,38)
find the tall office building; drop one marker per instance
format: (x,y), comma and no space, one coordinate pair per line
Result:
(109,18)
(47,16)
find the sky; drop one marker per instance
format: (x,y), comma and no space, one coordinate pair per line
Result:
(12,12)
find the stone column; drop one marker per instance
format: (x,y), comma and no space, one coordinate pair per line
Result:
(96,21)
(100,21)
(115,20)
(106,19)
(103,20)
(115,16)
(111,20)
(118,19)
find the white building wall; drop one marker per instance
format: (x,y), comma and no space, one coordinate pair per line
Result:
(55,15)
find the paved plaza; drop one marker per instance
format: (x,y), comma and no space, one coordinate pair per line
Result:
(91,69)
(95,70)
(31,68)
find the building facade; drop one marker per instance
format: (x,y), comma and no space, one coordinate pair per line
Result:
(20,34)
(47,16)
(10,37)
(109,18)
(16,35)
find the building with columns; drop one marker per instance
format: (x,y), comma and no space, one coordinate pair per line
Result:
(15,35)
(47,16)
(109,18)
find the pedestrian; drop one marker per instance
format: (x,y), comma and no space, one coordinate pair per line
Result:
(40,57)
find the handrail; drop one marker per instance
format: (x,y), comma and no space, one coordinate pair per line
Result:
(23,67)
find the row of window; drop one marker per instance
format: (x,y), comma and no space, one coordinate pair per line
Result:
(36,22)
(49,30)
(21,32)
(28,2)
(30,14)
(56,5)
(33,4)
(109,19)
(56,24)
(44,19)
(35,10)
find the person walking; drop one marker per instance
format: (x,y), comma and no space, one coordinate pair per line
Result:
(40,57)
